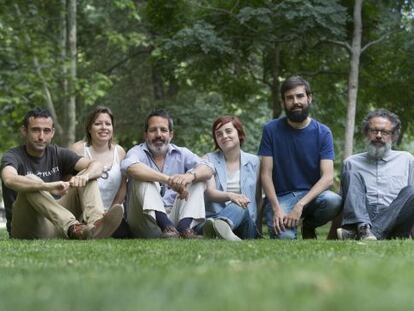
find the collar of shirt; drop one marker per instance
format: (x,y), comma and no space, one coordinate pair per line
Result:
(171,148)
(388,156)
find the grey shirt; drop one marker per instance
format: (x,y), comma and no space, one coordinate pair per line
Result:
(383,178)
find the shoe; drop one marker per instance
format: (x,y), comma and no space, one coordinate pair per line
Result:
(78,232)
(208,229)
(308,233)
(346,234)
(170,233)
(365,234)
(107,225)
(189,234)
(224,231)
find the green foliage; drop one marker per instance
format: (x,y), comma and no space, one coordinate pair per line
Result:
(202,59)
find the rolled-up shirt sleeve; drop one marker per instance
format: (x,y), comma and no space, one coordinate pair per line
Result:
(131,158)
(191,161)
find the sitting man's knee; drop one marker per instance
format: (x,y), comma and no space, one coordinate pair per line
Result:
(408,190)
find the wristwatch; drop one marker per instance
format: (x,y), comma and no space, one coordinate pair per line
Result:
(194,174)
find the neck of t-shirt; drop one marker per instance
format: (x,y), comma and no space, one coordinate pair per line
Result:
(300,125)
(34,155)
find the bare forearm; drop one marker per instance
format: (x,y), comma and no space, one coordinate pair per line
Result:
(215,195)
(322,184)
(203,172)
(270,192)
(142,172)
(24,184)
(94,170)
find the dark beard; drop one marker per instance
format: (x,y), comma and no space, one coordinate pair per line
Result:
(298,116)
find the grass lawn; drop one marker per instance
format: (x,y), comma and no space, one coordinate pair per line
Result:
(205,275)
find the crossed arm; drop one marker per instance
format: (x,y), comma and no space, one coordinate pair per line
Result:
(89,170)
(178,182)
(281,220)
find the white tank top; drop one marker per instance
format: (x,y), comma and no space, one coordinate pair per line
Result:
(110,180)
(233,182)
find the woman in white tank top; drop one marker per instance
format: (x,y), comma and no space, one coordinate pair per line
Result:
(100,147)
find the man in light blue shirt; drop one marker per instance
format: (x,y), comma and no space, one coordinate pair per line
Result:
(166,183)
(377,185)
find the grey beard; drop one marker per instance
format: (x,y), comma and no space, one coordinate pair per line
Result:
(158,151)
(376,152)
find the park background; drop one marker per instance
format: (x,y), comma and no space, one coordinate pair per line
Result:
(200,59)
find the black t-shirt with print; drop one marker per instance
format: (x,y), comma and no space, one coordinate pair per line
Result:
(54,165)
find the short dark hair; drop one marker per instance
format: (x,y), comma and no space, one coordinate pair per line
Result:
(92,116)
(159,113)
(224,120)
(37,112)
(383,113)
(292,82)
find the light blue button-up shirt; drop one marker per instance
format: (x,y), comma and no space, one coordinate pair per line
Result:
(249,174)
(384,178)
(178,160)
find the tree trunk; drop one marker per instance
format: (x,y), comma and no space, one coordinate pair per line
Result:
(353,79)
(157,83)
(63,60)
(37,66)
(71,112)
(275,89)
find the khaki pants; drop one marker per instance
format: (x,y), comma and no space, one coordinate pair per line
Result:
(146,199)
(37,215)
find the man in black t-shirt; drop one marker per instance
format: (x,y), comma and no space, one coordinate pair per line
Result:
(39,202)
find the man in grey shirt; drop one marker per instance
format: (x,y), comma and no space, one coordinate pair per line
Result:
(377,185)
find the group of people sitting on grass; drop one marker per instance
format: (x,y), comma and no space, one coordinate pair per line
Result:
(160,190)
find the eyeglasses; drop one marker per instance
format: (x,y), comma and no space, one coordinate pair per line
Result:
(382,132)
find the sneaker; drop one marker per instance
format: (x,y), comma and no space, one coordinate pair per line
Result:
(189,234)
(308,233)
(346,234)
(224,231)
(365,234)
(208,229)
(106,226)
(78,232)
(170,233)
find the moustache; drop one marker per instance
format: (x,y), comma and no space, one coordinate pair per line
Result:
(377,142)
(296,107)
(158,140)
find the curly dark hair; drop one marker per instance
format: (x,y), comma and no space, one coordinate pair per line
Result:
(383,113)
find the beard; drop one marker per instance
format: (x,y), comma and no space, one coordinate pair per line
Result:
(376,149)
(299,115)
(158,147)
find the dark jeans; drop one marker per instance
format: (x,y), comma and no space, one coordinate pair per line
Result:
(393,221)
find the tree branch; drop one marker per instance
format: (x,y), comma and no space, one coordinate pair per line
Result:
(380,39)
(124,60)
(340,43)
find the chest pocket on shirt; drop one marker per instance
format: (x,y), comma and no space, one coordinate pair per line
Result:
(396,183)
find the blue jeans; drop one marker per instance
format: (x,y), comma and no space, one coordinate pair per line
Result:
(317,213)
(239,220)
